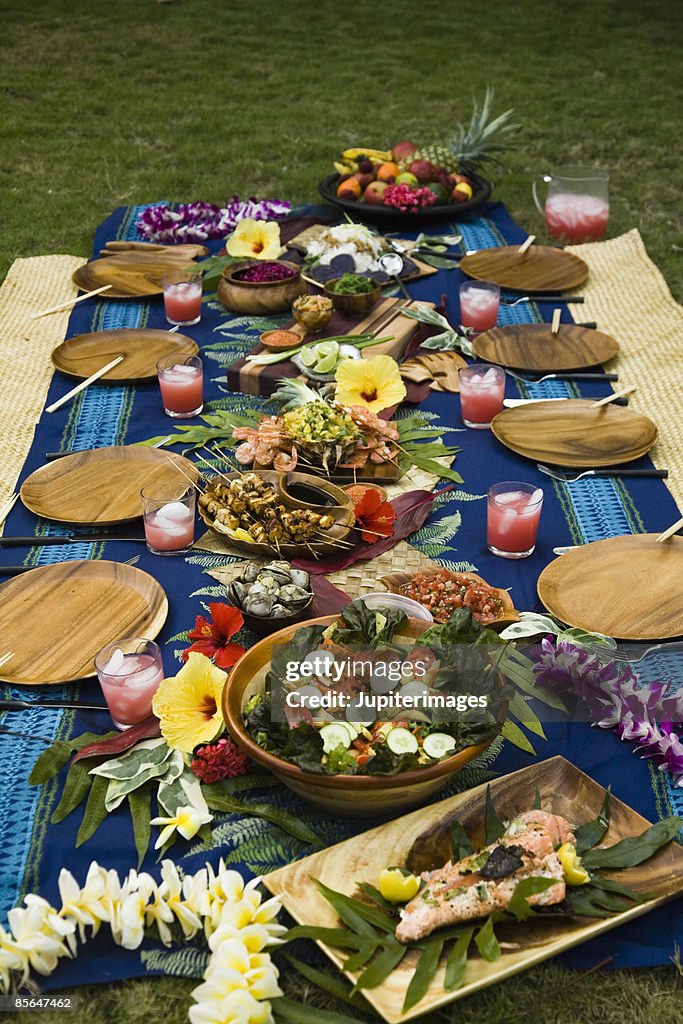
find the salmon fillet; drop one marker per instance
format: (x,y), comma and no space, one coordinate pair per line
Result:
(485,881)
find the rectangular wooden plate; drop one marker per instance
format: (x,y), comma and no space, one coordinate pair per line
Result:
(310,234)
(564,790)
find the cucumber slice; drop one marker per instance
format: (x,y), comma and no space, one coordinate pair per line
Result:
(335,735)
(352,727)
(402,741)
(438,745)
(360,716)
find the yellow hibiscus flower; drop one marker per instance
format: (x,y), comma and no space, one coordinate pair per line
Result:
(259,239)
(188,705)
(375,383)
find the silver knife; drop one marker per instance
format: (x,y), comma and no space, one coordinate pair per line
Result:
(14,704)
(564,550)
(83,538)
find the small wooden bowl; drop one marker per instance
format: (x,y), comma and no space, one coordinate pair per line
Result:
(349,796)
(264,625)
(395,581)
(271,341)
(352,305)
(259,298)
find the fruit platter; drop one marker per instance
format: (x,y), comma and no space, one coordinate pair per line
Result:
(409,180)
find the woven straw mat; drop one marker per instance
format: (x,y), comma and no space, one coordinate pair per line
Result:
(628,297)
(32,284)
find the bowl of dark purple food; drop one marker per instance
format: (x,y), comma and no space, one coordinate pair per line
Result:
(260,287)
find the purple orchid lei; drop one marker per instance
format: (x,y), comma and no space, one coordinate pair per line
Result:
(644,713)
(198,222)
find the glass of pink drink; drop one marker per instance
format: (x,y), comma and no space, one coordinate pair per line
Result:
(514,510)
(577,205)
(182,297)
(129,672)
(479,302)
(169,521)
(482,390)
(181,381)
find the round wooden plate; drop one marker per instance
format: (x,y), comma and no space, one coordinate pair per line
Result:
(131,274)
(533,347)
(540,269)
(57,617)
(626,587)
(141,348)
(103,485)
(573,433)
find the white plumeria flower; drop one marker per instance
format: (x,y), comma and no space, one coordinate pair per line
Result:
(236,1008)
(187,821)
(82,905)
(182,897)
(35,941)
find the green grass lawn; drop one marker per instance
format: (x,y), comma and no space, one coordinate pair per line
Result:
(128,101)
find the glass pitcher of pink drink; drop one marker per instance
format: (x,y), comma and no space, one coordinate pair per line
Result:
(576,207)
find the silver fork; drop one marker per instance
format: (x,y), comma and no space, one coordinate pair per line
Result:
(17,570)
(624,656)
(561,376)
(571,478)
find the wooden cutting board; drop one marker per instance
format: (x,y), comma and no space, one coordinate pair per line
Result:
(133,273)
(540,269)
(572,433)
(627,587)
(312,233)
(141,348)
(384,319)
(533,347)
(57,617)
(103,485)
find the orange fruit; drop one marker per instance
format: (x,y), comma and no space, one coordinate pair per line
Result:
(349,189)
(387,172)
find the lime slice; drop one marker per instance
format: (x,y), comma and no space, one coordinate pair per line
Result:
(327,364)
(327,348)
(308,355)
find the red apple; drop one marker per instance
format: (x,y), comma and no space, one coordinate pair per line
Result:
(403,150)
(441,175)
(457,179)
(364,180)
(374,193)
(422,169)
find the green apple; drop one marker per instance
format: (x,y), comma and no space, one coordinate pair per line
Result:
(406,178)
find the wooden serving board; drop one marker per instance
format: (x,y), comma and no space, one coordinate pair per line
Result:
(141,348)
(627,587)
(384,319)
(133,273)
(312,233)
(57,617)
(103,485)
(564,790)
(573,433)
(540,269)
(533,347)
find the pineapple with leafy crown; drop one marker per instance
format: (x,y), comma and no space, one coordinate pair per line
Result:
(481,141)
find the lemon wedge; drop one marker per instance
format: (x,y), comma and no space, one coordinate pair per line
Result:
(398,885)
(574,874)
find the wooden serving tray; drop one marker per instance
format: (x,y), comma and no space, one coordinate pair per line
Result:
(57,617)
(103,485)
(134,273)
(573,433)
(626,587)
(564,790)
(540,269)
(141,348)
(533,347)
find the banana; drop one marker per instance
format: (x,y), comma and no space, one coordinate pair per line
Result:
(379,156)
(347,167)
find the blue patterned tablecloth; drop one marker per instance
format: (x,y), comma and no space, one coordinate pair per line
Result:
(32,850)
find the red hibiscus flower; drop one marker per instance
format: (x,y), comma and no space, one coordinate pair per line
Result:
(374,517)
(212,638)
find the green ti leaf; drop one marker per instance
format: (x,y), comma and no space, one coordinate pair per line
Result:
(382,966)
(519,901)
(360,916)
(425,970)
(296,1013)
(493,826)
(76,788)
(591,832)
(322,980)
(537,799)
(339,938)
(460,842)
(52,760)
(514,734)
(457,961)
(95,810)
(140,804)
(486,942)
(636,849)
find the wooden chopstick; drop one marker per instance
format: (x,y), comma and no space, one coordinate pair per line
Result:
(70,302)
(555,326)
(612,398)
(526,245)
(84,383)
(7,508)
(671,531)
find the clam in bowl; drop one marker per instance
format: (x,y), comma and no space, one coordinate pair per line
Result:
(271,596)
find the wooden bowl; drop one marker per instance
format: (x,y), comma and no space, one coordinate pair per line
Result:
(352,305)
(339,504)
(395,581)
(259,298)
(349,796)
(275,341)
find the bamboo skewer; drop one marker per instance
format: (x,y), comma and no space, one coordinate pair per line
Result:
(183,473)
(555,326)
(85,383)
(70,302)
(671,531)
(526,244)
(612,398)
